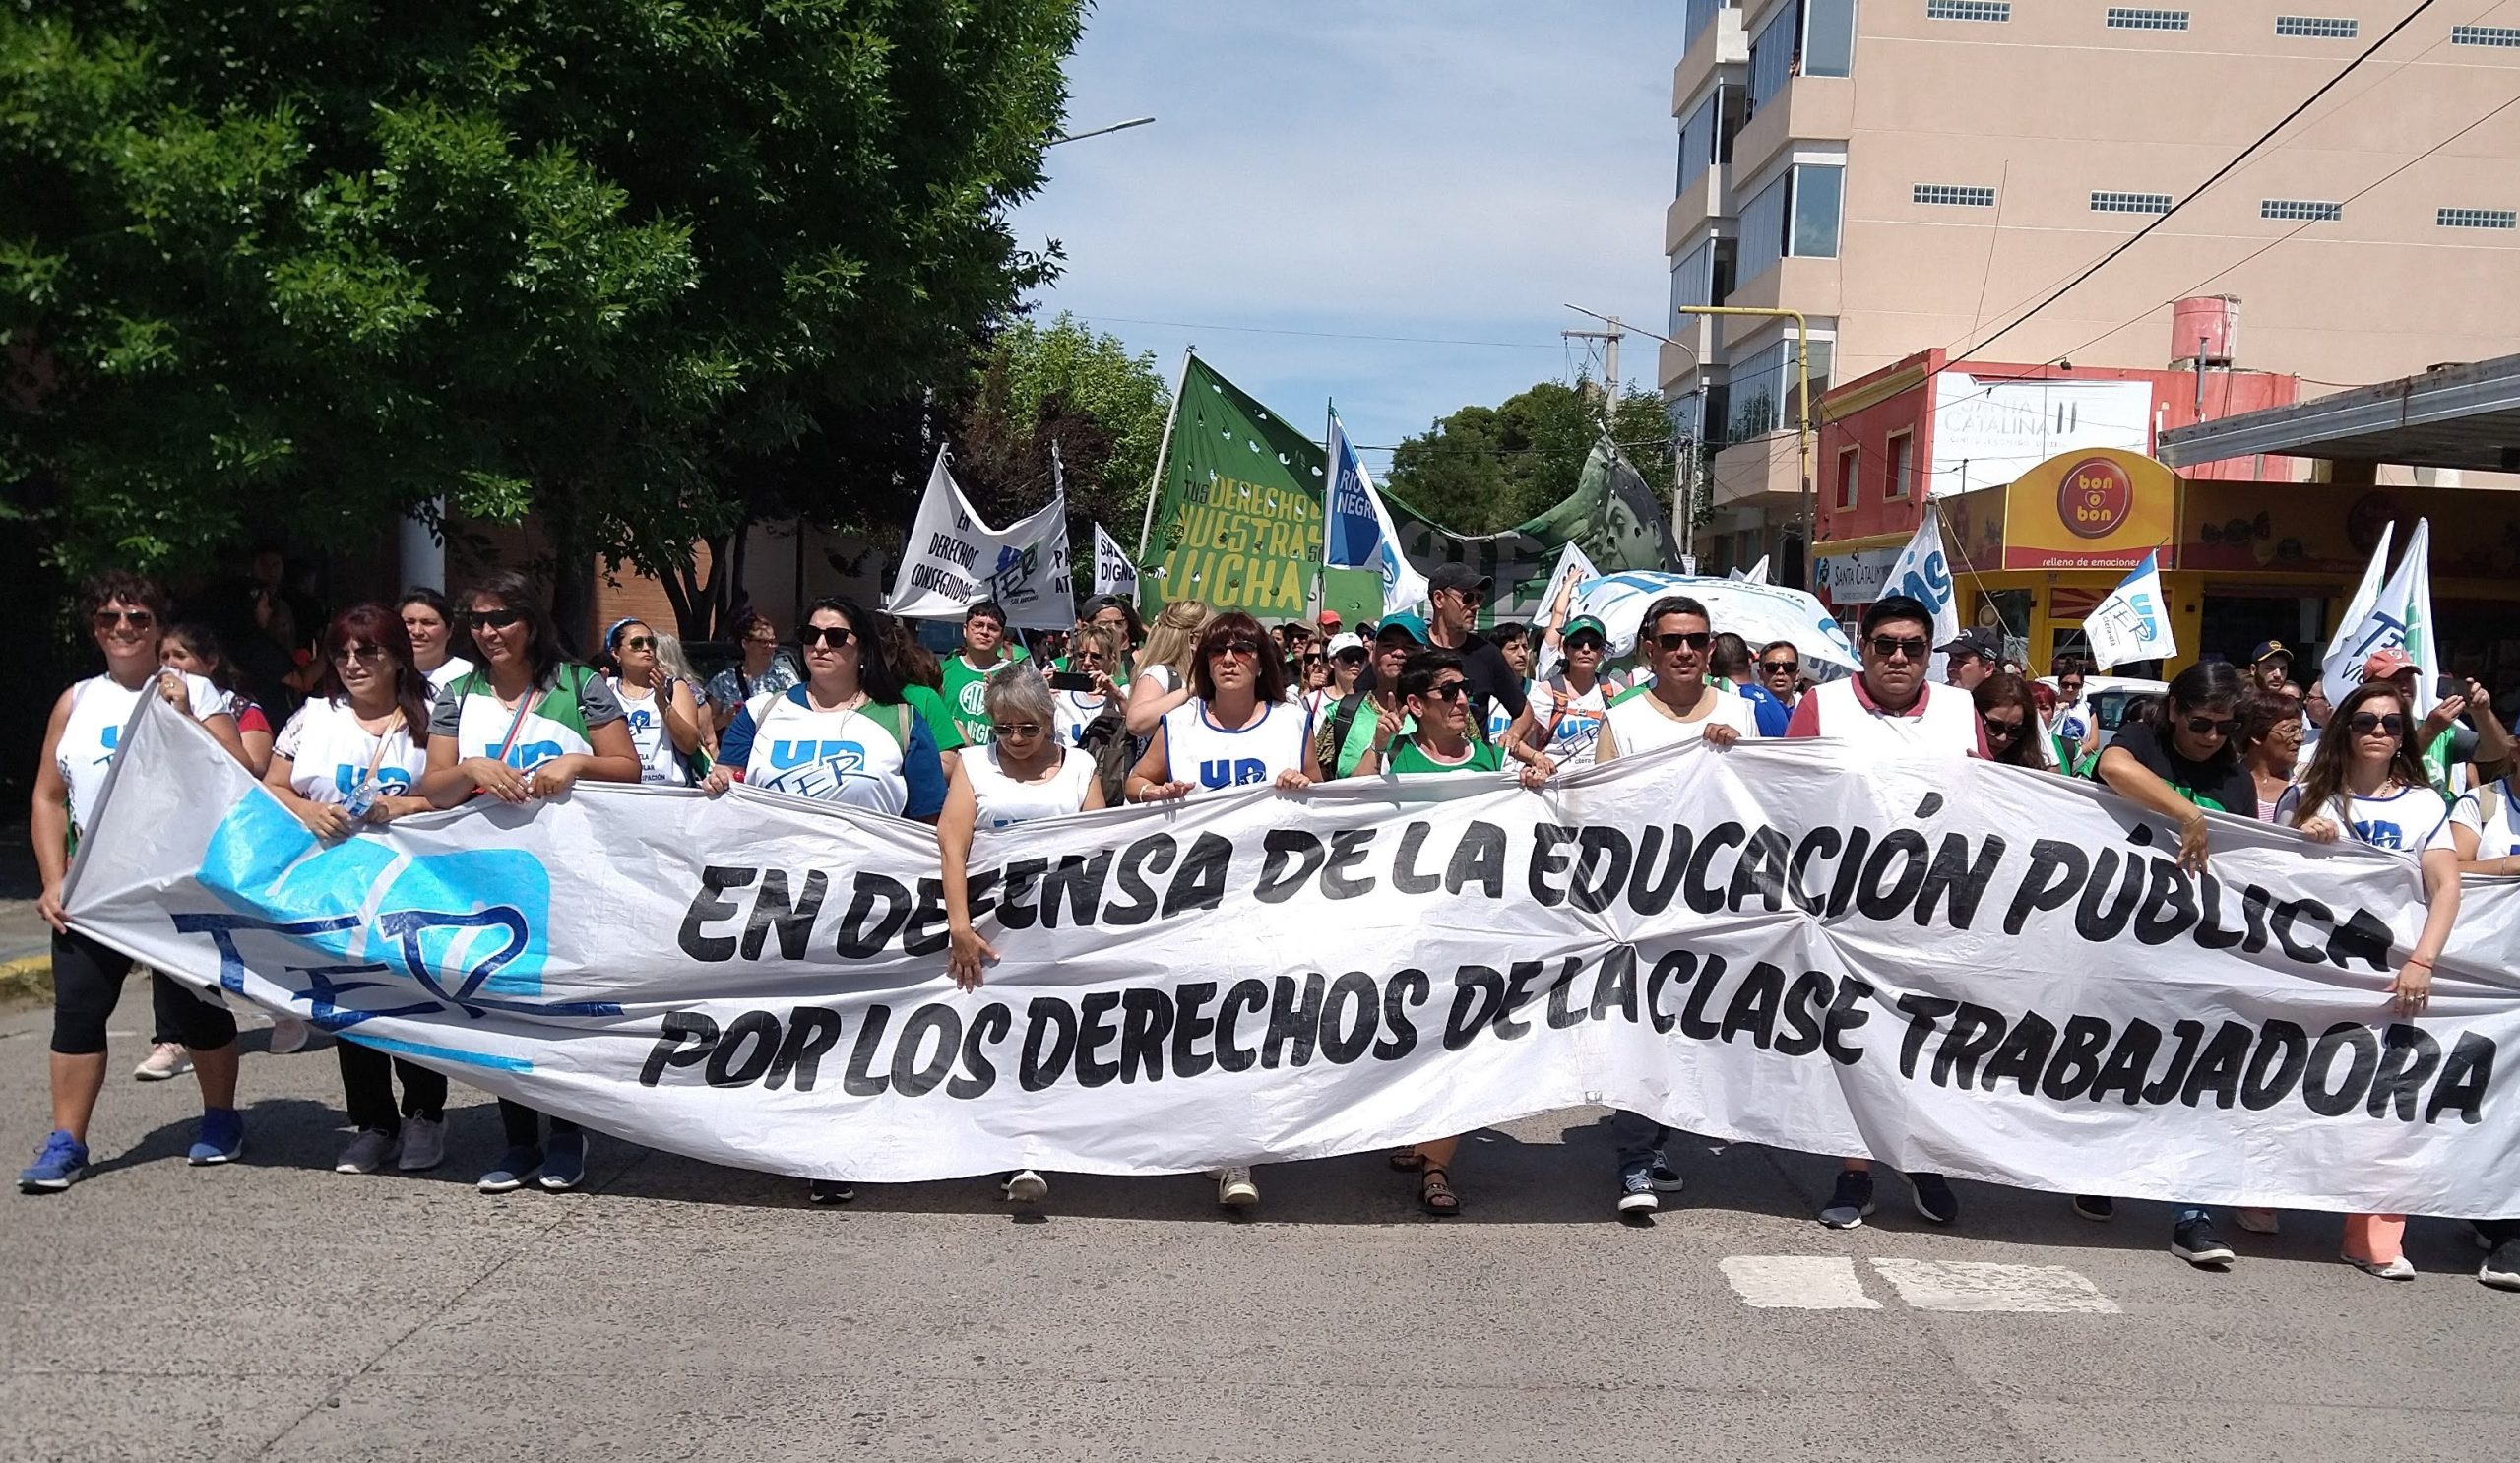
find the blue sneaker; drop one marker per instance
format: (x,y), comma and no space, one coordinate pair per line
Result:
(1636,1189)
(511,1171)
(61,1163)
(223,1137)
(564,1161)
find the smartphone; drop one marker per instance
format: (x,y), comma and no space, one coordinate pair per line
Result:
(1070,680)
(2450,686)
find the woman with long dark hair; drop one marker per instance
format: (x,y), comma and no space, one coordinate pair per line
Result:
(2270,747)
(352,757)
(193,648)
(663,714)
(2010,716)
(1236,730)
(430,620)
(524,724)
(2369,780)
(124,612)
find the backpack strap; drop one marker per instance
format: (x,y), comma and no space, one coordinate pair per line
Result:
(1343,719)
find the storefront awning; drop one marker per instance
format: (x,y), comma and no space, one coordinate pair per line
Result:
(2450,416)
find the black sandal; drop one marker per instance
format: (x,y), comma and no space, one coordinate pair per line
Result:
(1435,1195)
(1407,1160)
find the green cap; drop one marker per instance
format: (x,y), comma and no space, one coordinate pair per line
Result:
(1578,625)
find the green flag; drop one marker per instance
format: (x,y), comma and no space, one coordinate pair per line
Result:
(1237,523)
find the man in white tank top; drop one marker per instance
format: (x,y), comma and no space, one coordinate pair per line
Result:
(1889,709)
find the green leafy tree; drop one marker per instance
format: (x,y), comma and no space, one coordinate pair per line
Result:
(1486,469)
(318,264)
(1063,382)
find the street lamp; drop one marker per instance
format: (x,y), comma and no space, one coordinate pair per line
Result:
(1099,131)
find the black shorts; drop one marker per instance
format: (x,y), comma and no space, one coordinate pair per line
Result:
(87,986)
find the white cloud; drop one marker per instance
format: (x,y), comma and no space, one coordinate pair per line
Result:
(1379,170)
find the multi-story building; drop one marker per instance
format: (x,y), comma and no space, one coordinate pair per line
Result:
(1915,174)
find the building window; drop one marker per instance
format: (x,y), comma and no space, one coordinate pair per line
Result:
(1816,202)
(2503,35)
(1903,459)
(1692,283)
(1697,141)
(1764,387)
(2478,218)
(1701,14)
(2128,18)
(1950,192)
(2130,203)
(1805,37)
(1967,10)
(2300,209)
(2318,26)
(1795,215)
(1847,457)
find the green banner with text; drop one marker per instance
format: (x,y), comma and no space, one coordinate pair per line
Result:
(1238,523)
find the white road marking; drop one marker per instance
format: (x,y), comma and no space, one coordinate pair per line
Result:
(1975,1285)
(1798,1282)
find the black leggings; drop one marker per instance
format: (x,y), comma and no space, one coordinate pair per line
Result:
(525,1126)
(87,986)
(367,1085)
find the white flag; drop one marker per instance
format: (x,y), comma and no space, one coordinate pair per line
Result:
(1755,574)
(1113,574)
(1357,534)
(952,561)
(1574,567)
(2342,671)
(2401,618)
(1922,573)
(2132,622)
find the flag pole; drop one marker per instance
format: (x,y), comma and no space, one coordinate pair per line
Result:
(1146,521)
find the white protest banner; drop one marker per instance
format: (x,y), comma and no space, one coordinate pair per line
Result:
(2132,621)
(953,560)
(1760,614)
(1949,965)
(1113,574)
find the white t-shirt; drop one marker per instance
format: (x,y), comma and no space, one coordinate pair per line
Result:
(644,712)
(1076,711)
(100,705)
(447,670)
(1210,757)
(2410,820)
(1571,722)
(1004,802)
(2497,836)
(784,744)
(1639,725)
(329,753)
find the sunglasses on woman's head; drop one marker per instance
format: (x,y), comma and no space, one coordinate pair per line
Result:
(361,653)
(2209,726)
(834,636)
(1239,645)
(1350,657)
(1999,727)
(494,619)
(1586,642)
(2366,722)
(1021,730)
(1685,640)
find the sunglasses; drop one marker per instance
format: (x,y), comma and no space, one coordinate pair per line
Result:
(1350,657)
(2366,722)
(834,636)
(2209,726)
(1450,690)
(1238,646)
(1697,640)
(1781,668)
(1586,642)
(360,652)
(1896,647)
(2002,729)
(640,642)
(2069,688)
(493,620)
(1019,731)
(138,619)
(1472,598)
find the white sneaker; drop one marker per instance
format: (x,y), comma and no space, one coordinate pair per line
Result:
(423,1144)
(2396,1269)
(367,1153)
(288,1036)
(1235,1191)
(165,1060)
(1026,1187)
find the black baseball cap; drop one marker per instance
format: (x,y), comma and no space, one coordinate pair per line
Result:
(1458,577)
(1974,641)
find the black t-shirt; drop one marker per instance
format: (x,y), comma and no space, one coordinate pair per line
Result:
(2223,786)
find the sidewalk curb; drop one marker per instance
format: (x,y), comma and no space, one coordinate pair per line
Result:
(28,980)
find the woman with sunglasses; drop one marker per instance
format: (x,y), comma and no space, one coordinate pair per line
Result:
(2009,716)
(1094,653)
(845,733)
(1166,662)
(124,612)
(2368,780)
(662,714)
(1569,707)
(1235,731)
(2179,766)
(1679,707)
(1023,775)
(428,617)
(524,724)
(352,757)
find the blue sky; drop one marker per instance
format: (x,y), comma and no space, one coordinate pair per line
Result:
(1454,171)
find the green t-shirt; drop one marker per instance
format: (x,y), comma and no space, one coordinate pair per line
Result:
(1360,736)
(1407,759)
(966,696)
(932,710)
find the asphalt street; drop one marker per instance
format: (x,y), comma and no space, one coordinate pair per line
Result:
(671,1310)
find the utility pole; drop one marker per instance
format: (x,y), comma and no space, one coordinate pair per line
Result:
(1610,339)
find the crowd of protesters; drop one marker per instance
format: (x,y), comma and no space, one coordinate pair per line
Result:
(433,702)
